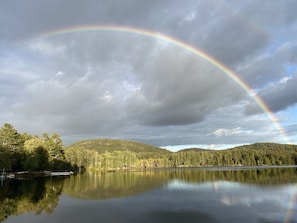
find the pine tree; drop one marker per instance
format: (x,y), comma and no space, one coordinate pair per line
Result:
(10,139)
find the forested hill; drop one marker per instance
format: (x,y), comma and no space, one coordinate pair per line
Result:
(193,150)
(109,154)
(111,145)
(248,155)
(22,151)
(265,146)
(272,147)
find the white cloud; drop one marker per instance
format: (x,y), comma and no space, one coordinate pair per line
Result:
(190,16)
(227,132)
(46,47)
(59,74)
(107,97)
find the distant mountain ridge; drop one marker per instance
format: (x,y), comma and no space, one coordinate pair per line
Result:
(119,154)
(268,146)
(111,145)
(254,146)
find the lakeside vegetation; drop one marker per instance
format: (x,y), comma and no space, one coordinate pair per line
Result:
(139,156)
(24,152)
(34,153)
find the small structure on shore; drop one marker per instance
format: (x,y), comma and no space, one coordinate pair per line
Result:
(64,173)
(5,175)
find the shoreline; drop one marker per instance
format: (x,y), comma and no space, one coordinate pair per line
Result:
(35,174)
(32,174)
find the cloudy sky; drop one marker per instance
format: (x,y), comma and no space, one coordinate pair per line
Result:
(95,83)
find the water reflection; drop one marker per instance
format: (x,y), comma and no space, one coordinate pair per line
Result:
(23,196)
(174,195)
(96,186)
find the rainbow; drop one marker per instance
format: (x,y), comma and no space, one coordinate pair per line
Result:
(178,43)
(290,209)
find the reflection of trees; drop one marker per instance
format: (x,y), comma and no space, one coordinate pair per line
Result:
(93,185)
(42,195)
(37,195)
(269,176)
(7,208)
(50,202)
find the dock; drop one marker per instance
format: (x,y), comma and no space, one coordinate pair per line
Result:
(64,173)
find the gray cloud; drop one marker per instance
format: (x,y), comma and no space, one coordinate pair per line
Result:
(278,96)
(269,67)
(178,88)
(123,85)
(37,17)
(169,86)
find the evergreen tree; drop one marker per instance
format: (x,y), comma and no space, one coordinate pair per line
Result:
(10,139)
(31,144)
(54,145)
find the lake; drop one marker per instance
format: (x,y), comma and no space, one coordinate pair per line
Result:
(211,195)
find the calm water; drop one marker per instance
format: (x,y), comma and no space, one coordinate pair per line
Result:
(174,195)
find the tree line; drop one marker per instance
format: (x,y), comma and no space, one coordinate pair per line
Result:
(46,152)
(259,154)
(19,152)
